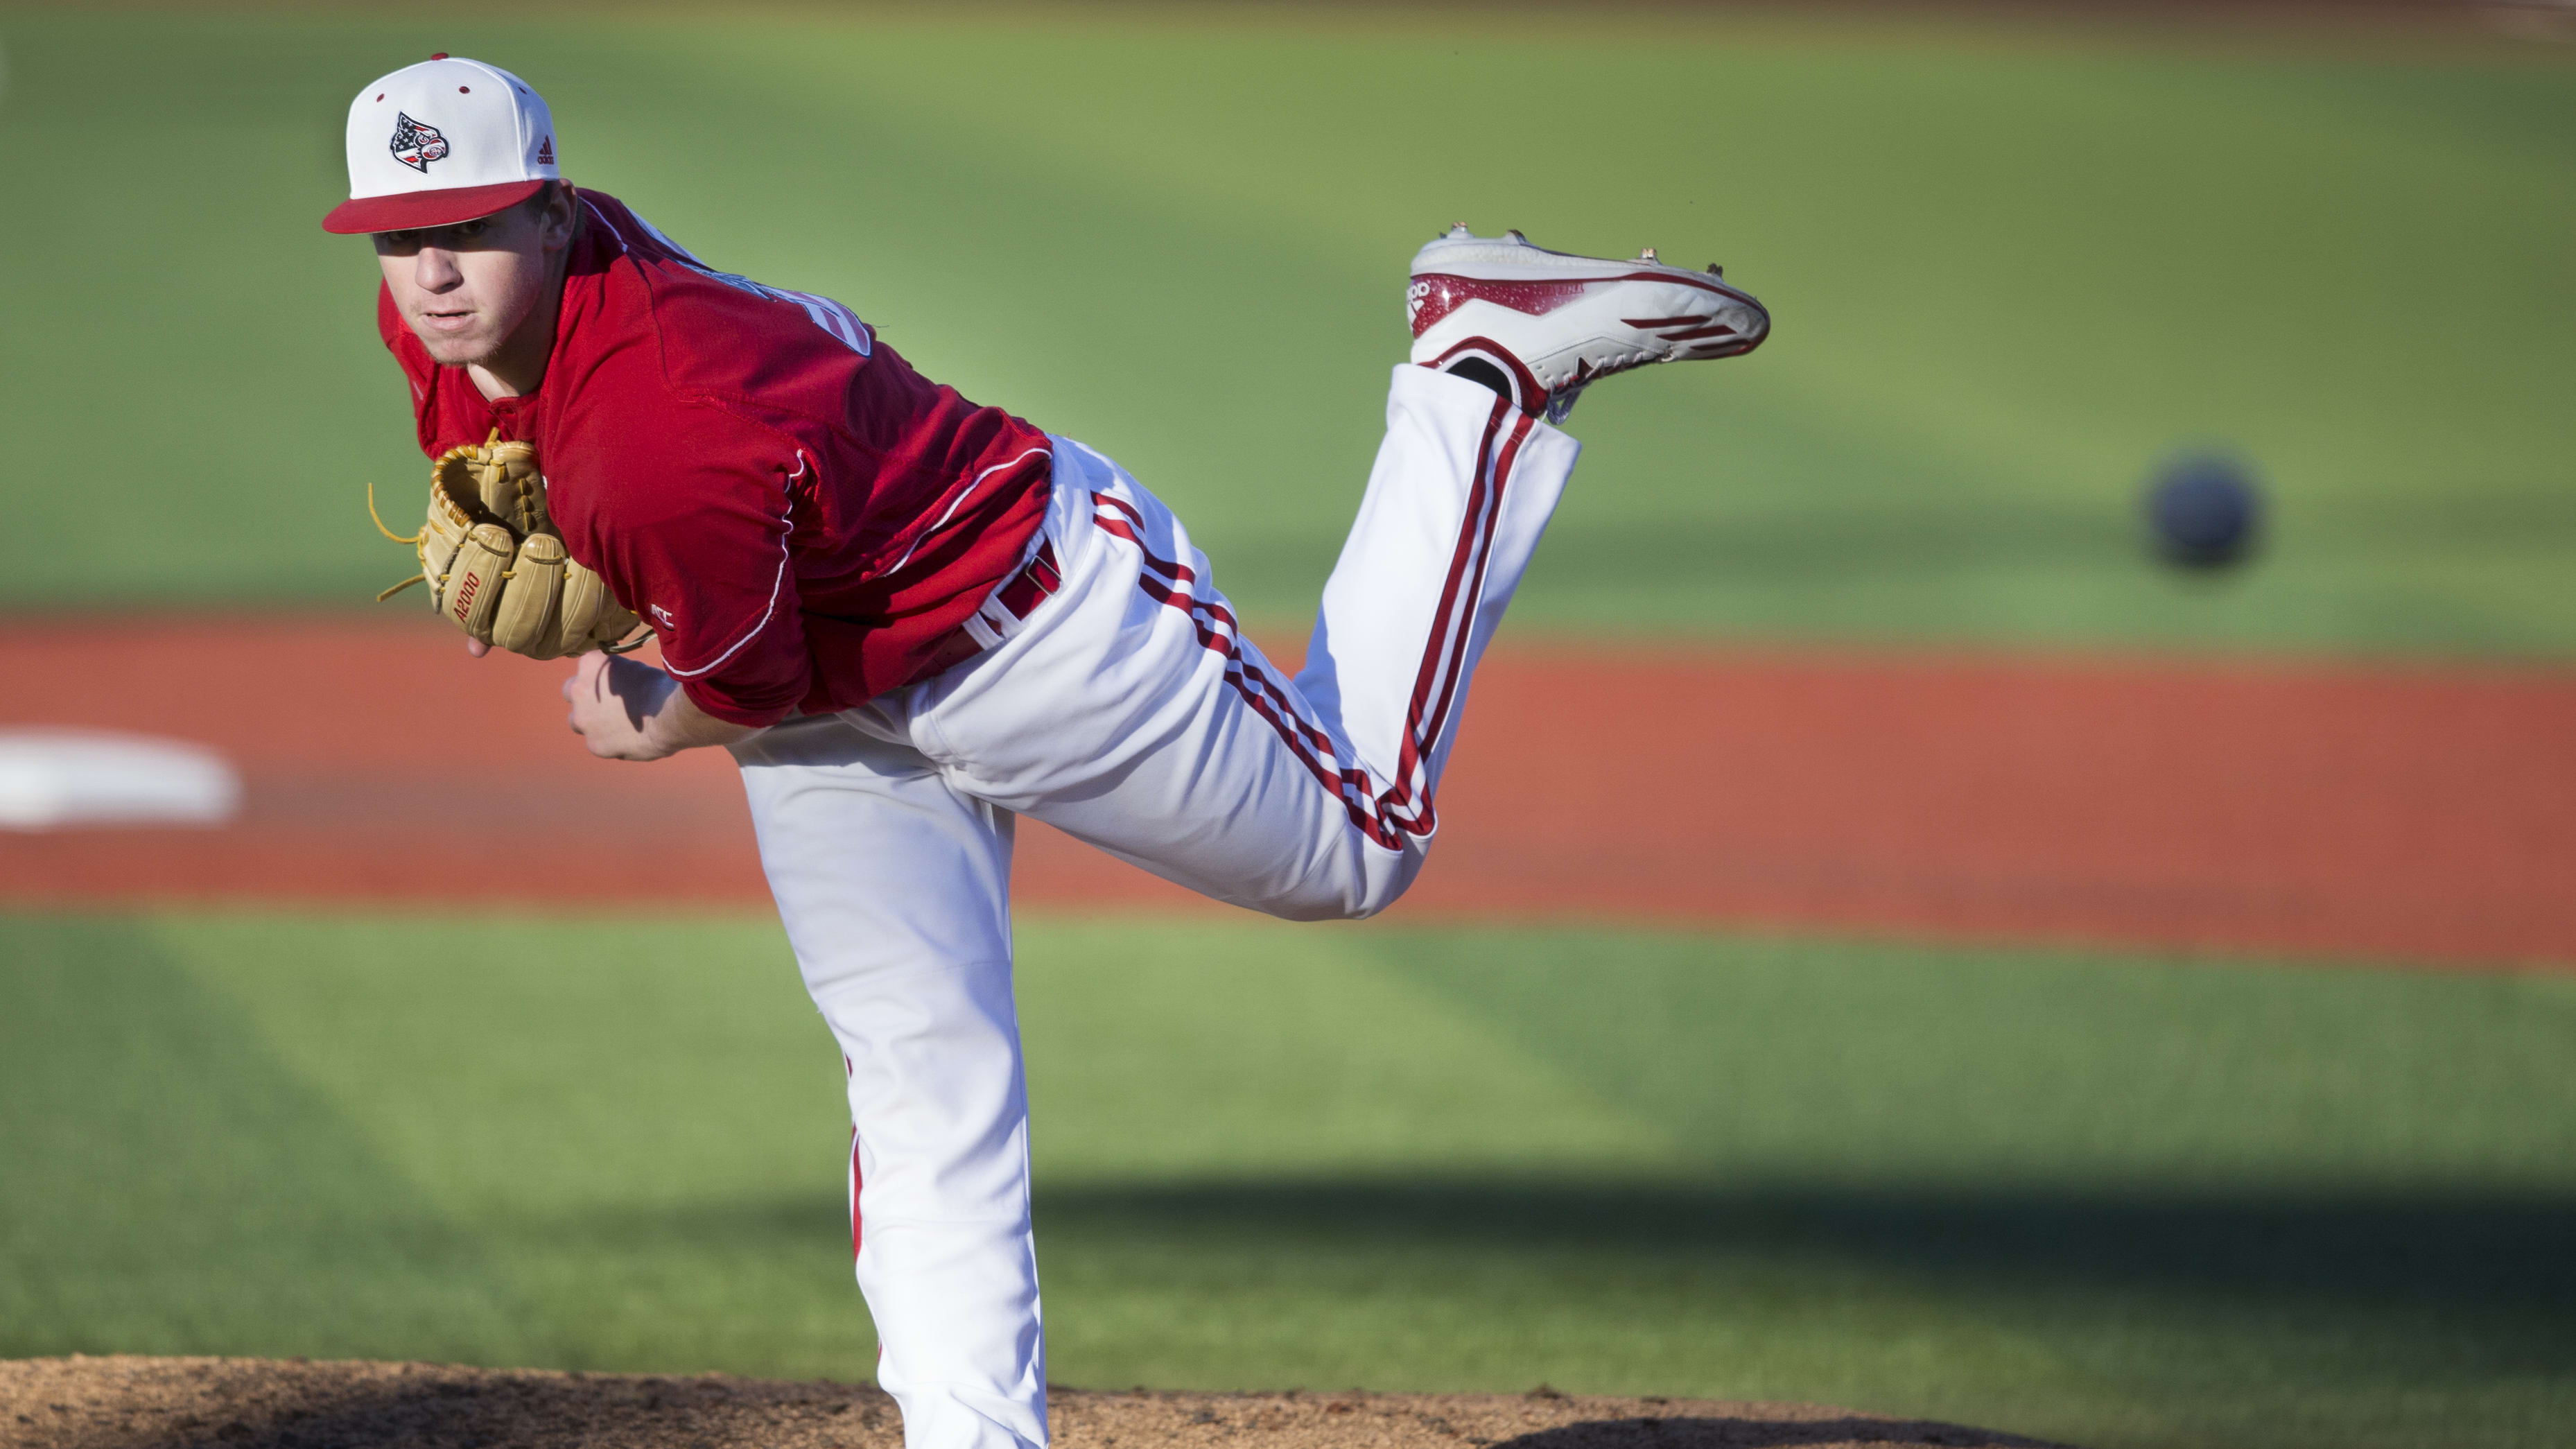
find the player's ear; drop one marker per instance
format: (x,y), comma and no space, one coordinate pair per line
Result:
(556,215)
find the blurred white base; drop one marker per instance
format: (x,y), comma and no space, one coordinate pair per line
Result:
(57,777)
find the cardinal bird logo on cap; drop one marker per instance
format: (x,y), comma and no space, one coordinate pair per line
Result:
(416,145)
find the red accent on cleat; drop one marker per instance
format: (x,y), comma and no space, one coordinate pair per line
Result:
(1435,296)
(1556,322)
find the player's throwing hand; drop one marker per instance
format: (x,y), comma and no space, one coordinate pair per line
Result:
(628,711)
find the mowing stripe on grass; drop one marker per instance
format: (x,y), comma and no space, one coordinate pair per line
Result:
(2114,1201)
(2010,275)
(168,1186)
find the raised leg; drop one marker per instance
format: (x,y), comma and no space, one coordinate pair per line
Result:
(1130,712)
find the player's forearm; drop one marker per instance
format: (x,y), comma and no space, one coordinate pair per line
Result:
(628,711)
(678,724)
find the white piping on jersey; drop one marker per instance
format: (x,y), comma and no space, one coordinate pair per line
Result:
(593,208)
(831,316)
(785,525)
(837,321)
(954,503)
(657,234)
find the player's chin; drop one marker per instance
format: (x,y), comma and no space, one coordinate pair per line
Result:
(455,349)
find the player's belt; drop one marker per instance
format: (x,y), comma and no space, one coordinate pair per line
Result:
(1018,597)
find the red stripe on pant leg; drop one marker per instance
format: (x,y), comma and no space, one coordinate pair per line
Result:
(850,1069)
(1205,616)
(1423,732)
(1458,561)
(1350,786)
(1435,650)
(1311,746)
(1180,573)
(1382,817)
(1173,589)
(1398,809)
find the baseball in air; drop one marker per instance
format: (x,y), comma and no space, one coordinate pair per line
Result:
(2204,511)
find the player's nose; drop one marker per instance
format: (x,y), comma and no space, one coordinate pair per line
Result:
(434,269)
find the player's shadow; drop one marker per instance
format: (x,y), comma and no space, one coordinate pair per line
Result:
(2424,1247)
(2381,1281)
(2459,1255)
(2395,1282)
(1759,1433)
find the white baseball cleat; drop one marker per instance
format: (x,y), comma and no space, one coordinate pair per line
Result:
(1541,326)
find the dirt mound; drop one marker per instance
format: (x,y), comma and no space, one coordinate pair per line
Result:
(230,1403)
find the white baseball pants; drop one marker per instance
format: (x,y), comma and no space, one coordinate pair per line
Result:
(1125,710)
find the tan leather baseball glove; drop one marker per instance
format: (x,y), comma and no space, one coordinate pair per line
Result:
(495,566)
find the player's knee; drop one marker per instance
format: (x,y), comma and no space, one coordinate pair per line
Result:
(1353,891)
(1324,908)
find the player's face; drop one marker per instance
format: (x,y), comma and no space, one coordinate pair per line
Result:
(468,290)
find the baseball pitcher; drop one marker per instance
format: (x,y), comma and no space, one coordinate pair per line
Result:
(913,619)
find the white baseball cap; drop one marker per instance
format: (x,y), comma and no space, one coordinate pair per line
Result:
(441,142)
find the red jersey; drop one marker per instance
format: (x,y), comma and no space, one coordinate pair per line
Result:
(801,518)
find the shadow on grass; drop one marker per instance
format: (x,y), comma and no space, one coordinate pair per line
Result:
(2421,1317)
(1756,1433)
(2459,1250)
(2448,1255)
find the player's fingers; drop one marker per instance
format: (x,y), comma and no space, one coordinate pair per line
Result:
(585,688)
(477,648)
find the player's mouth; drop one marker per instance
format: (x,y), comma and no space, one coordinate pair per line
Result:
(448,321)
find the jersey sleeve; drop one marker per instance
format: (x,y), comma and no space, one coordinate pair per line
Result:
(695,540)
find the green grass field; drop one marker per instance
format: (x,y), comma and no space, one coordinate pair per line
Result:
(2010,272)
(2121,1201)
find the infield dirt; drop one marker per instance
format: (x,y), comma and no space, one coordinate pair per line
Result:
(220,1403)
(2421,814)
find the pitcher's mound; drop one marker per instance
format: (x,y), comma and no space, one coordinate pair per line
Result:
(231,1403)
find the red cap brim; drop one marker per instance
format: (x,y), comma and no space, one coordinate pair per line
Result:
(406,210)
